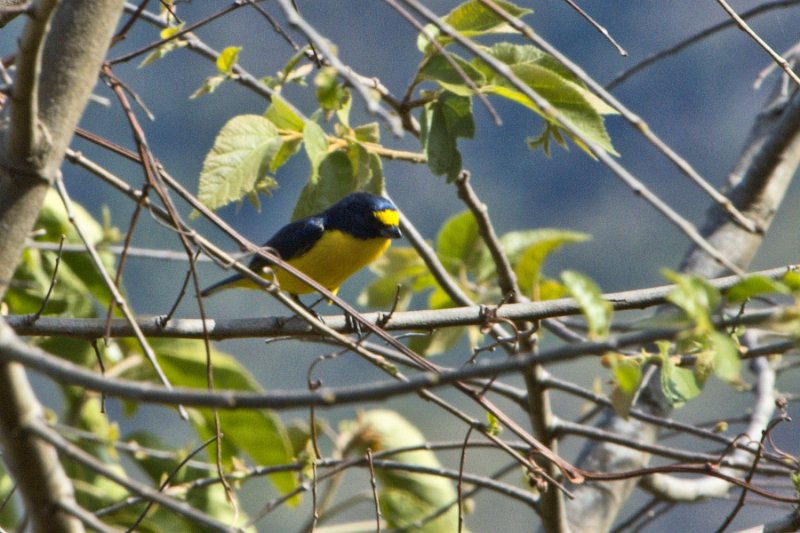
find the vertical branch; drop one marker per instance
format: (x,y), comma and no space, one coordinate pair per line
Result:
(62,48)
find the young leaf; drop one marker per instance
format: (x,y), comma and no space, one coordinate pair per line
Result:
(627,375)
(238,161)
(227,59)
(595,309)
(694,296)
(283,115)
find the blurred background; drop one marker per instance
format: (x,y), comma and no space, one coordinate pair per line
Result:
(701,102)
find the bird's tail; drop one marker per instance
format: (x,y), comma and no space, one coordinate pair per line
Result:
(226,283)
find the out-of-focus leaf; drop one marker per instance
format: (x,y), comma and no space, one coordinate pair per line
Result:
(404,497)
(678,384)
(527,251)
(596,310)
(331,94)
(227,59)
(694,296)
(260,434)
(727,362)
(752,286)
(80,290)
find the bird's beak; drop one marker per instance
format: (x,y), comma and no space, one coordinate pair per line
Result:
(391,232)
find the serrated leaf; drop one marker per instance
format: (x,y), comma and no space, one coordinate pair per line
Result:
(438,69)
(753,286)
(405,497)
(227,59)
(569,99)
(475,18)
(595,309)
(443,121)
(283,115)
(238,161)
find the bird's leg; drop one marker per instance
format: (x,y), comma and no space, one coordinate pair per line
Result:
(309,308)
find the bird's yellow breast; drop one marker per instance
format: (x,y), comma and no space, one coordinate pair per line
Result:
(334,257)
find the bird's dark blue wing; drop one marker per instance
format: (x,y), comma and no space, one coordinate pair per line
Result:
(293,240)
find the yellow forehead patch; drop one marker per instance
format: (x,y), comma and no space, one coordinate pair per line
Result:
(388,217)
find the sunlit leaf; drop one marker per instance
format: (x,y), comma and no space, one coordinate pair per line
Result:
(227,59)
(238,161)
(595,309)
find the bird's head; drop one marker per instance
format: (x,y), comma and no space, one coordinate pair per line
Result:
(365,216)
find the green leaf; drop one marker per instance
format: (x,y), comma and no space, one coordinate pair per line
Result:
(331,94)
(209,86)
(227,59)
(439,70)
(727,362)
(259,433)
(444,120)
(678,384)
(315,143)
(399,266)
(627,376)
(239,161)
(80,291)
(595,309)
(475,18)
(334,180)
(792,280)
(370,132)
(404,497)
(167,47)
(527,251)
(753,286)
(694,296)
(556,84)
(459,245)
(283,115)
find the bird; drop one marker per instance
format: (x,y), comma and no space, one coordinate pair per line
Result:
(328,247)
